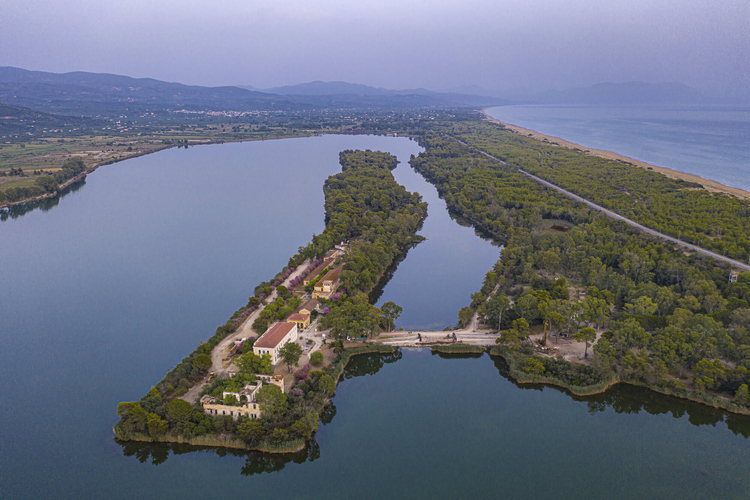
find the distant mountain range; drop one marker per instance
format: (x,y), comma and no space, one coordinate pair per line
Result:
(630,93)
(106,95)
(113,96)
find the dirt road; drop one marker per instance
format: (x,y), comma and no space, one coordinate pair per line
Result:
(220,353)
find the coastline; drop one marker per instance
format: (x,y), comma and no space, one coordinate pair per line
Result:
(709,185)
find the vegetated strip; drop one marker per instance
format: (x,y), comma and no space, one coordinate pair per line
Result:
(367,207)
(680,209)
(457,348)
(646,313)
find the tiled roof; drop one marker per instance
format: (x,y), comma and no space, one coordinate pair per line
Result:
(274,335)
(298,317)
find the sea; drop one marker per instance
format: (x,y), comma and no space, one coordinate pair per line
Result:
(712,142)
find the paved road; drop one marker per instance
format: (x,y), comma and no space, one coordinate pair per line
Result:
(612,214)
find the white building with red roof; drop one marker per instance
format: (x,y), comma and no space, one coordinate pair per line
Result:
(274,339)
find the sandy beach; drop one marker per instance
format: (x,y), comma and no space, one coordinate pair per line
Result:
(709,185)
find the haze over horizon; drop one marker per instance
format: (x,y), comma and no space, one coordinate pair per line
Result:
(496,45)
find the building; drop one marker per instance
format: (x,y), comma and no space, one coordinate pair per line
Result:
(309,306)
(327,285)
(733,276)
(328,261)
(301,320)
(274,339)
(246,399)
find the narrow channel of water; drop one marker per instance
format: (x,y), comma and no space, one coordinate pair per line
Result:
(442,272)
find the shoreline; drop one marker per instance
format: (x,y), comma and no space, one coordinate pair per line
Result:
(45,196)
(522,378)
(709,185)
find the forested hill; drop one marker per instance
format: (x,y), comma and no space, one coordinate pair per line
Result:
(20,120)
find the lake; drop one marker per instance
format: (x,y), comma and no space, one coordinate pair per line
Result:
(710,141)
(103,293)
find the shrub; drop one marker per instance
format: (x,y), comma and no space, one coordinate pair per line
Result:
(316,358)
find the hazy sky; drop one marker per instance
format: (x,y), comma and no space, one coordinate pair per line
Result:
(436,44)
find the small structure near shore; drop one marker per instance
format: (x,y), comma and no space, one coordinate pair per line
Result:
(328,285)
(301,320)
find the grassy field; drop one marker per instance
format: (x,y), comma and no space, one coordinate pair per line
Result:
(49,154)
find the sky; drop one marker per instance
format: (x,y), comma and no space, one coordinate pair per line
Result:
(435,44)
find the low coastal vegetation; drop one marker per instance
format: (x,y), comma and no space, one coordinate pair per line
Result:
(675,207)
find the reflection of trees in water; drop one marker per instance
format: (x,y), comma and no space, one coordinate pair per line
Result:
(255,461)
(157,452)
(258,463)
(329,411)
(379,287)
(457,355)
(628,399)
(44,205)
(369,364)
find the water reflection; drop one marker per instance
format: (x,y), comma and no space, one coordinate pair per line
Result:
(369,364)
(44,205)
(257,462)
(458,355)
(628,399)
(377,291)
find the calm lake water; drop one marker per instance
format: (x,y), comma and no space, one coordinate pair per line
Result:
(103,293)
(712,142)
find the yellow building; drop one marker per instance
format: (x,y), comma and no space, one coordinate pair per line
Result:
(309,306)
(301,320)
(327,285)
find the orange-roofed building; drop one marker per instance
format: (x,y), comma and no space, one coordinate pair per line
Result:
(301,320)
(274,339)
(309,306)
(327,285)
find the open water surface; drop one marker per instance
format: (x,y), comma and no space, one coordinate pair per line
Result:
(709,141)
(103,293)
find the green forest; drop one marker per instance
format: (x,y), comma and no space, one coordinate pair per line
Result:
(652,313)
(678,208)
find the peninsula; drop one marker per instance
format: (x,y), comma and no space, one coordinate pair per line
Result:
(577,299)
